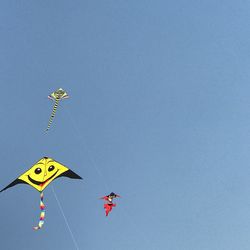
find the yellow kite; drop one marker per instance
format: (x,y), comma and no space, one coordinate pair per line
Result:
(40,175)
(56,96)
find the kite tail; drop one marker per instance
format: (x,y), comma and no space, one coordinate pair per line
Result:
(53,113)
(108,208)
(42,215)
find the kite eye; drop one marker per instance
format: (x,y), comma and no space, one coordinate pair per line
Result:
(51,168)
(38,170)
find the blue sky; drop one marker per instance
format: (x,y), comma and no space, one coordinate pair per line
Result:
(158,112)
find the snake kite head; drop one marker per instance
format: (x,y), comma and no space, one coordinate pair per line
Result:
(58,94)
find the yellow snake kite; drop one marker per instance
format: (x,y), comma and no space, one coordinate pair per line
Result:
(56,96)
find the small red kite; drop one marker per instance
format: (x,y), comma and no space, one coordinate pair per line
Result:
(109,202)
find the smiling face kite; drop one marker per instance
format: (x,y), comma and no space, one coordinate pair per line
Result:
(42,173)
(39,176)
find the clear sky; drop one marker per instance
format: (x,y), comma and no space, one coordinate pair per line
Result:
(159,112)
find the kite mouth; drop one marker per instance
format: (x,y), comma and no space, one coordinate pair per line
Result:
(42,183)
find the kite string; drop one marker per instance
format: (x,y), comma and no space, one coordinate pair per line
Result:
(65,219)
(92,160)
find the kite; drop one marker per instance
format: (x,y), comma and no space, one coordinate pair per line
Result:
(109,205)
(56,96)
(39,176)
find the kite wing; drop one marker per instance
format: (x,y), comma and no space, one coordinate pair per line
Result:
(104,198)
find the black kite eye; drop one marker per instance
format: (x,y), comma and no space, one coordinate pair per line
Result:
(38,170)
(51,168)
